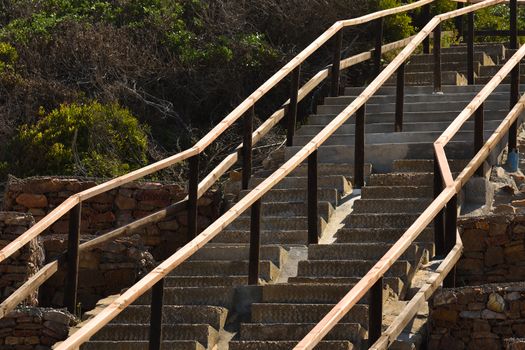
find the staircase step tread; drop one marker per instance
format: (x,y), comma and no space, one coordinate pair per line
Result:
(141,345)
(286,345)
(296,331)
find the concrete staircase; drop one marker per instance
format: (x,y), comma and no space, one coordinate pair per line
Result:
(207,303)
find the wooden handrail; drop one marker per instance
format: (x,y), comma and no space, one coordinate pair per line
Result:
(211,136)
(106,315)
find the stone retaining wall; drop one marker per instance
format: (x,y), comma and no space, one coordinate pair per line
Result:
(494,249)
(31,328)
(38,196)
(482,317)
(23,264)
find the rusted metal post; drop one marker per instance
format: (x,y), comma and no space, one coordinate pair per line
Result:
(255,243)
(437,58)
(359,149)
(73,242)
(313,215)
(155,326)
(292,108)
(400,98)
(193,188)
(439,220)
(336,64)
(247,145)
(375,312)
(450,237)
(470,49)
(426,18)
(479,139)
(378,52)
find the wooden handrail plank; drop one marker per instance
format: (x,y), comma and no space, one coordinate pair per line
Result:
(27,288)
(385,13)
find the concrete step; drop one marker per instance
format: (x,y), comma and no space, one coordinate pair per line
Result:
(484,79)
(400,192)
(460,67)
(385,235)
(395,284)
(268,270)
(281,237)
(390,137)
(347,268)
(384,220)
(204,334)
(427,78)
(229,252)
(338,182)
(401,179)
(414,205)
(296,331)
(375,128)
(495,50)
(356,251)
(206,281)
(383,155)
(298,293)
(304,313)
(427,165)
(141,345)
(276,223)
(281,209)
(212,296)
(287,345)
(429,89)
(323,169)
(481,57)
(447,115)
(174,314)
(298,195)
(421,107)
(493,70)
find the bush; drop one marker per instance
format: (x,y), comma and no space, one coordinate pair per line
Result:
(8,57)
(88,140)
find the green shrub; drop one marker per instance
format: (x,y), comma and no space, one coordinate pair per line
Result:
(89,140)
(8,57)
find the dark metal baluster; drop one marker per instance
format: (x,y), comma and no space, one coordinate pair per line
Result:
(426,18)
(459,21)
(378,52)
(400,98)
(193,188)
(336,64)
(375,312)
(450,237)
(479,138)
(439,220)
(155,323)
(437,58)
(515,74)
(292,108)
(359,156)
(247,144)
(470,49)
(255,243)
(313,216)
(73,242)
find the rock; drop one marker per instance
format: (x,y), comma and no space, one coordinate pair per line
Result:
(58,316)
(504,209)
(496,303)
(491,315)
(470,314)
(494,256)
(125,203)
(29,200)
(519,203)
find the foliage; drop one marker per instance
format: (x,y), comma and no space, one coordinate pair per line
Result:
(398,26)
(90,139)
(497,18)
(8,57)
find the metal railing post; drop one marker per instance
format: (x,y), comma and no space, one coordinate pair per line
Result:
(193,188)
(336,64)
(439,220)
(359,149)
(515,74)
(450,236)
(247,144)
(292,108)
(313,215)
(437,58)
(378,51)
(400,98)
(470,49)
(155,325)
(255,243)
(479,138)
(375,312)
(73,242)
(459,21)
(426,17)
